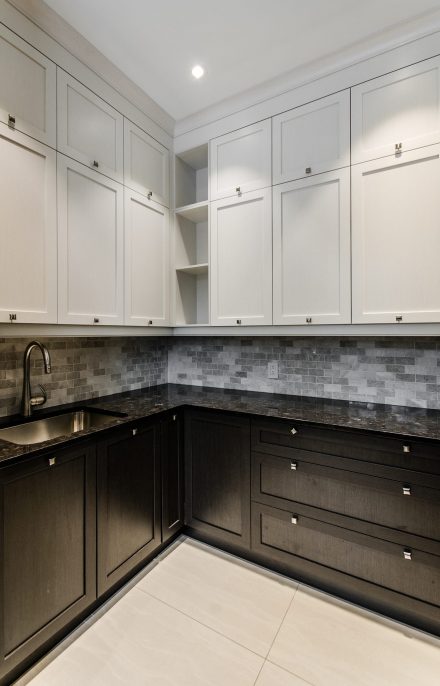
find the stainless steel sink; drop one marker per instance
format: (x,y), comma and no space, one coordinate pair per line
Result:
(66,424)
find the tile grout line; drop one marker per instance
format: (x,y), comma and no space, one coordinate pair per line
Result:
(266,659)
(197,621)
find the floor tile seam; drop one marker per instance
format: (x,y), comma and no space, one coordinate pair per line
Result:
(282,621)
(197,621)
(289,671)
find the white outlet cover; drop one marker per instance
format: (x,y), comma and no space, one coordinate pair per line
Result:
(272,370)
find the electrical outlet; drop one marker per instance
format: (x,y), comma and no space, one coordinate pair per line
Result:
(272,370)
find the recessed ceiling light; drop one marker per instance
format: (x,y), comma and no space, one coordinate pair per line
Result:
(197,71)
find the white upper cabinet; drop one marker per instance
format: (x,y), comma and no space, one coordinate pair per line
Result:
(396,238)
(146,261)
(28,247)
(89,130)
(312,139)
(241,259)
(90,246)
(311,265)
(396,112)
(27,89)
(146,164)
(241,161)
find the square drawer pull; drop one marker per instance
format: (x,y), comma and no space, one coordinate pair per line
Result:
(406,490)
(406,448)
(294,519)
(293,431)
(407,554)
(52,461)
(294,466)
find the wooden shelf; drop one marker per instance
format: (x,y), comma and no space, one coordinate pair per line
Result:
(197,212)
(194,269)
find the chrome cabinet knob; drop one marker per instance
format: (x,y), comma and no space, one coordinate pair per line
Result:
(406,490)
(294,519)
(407,554)
(135,431)
(294,466)
(174,417)
(52,461)
(406,448)
(293,431)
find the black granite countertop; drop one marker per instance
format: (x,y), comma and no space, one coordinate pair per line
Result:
(388,419)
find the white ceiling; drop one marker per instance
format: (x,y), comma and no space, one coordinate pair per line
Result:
(240,43)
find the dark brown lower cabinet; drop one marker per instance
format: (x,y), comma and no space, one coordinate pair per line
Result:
(47,551)
(217,485)
(398,573)
(129,509)
(171,450)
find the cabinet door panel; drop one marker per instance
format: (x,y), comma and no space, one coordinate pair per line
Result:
(128,504)
(146,261)
(312,139)
(241,159)
(218,476)
(241,259)
(28,255)
(27,88)
(402,107)
(312,250)
(88,128)
(48,573)
(146,164)
(90,229)
(396,238)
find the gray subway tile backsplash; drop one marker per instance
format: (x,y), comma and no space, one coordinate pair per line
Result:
(397,371)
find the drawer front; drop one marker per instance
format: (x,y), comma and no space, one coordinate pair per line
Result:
(402,569)
(400,504)
(281,437)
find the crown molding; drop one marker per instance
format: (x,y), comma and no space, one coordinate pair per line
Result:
(347,60)
(52,24)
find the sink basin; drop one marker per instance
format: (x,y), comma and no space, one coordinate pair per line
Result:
(41,430)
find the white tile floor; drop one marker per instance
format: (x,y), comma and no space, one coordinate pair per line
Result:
(203,618)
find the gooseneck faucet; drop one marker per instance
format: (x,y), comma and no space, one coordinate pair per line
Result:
(28,400)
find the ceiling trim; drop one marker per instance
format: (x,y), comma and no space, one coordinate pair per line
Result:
(379,44)
(63,33)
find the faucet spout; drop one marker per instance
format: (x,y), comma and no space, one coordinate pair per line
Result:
(29,401)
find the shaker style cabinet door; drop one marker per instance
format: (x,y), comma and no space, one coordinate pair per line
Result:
(48,552)
(241,260)
(27,89)
(28,221)
(90,246)
(241,161)
(396,238)
(146,164)
(89,130)
(311,265)
(312,139)
(146,261)
(128,503)
(396,112)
